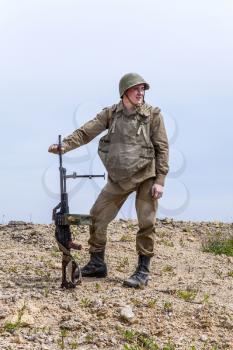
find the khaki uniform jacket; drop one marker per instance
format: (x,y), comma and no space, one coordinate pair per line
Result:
(157,168)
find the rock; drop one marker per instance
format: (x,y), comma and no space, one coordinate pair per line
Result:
(28,320)
(18,339)
(191,239)
(71,325)
(66,306)
(166,221)
(204,337)
(114,341)
(126,313)
(102,312)
(16,223)
(98,303)
(3,312)
(9,284)
(30,337)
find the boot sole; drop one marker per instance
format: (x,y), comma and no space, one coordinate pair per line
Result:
(141,285)
(97,275)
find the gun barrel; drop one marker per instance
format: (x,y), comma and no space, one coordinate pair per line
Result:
(60,154)
(74,176)
(61,168)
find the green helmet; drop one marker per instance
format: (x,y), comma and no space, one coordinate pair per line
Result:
(129,80)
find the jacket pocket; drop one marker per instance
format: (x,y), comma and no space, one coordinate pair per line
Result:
(148,152)
(103,149)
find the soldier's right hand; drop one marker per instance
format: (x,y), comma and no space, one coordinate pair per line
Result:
(54,148)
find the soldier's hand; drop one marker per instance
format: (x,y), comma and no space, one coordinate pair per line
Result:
(54,148)
(157,191)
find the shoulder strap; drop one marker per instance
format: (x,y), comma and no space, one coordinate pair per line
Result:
(112,123)
(111,109)
(110,113)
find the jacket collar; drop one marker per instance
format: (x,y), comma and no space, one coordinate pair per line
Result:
(119,107)
(143,110)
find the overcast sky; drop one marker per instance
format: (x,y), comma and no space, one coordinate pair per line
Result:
(60,64)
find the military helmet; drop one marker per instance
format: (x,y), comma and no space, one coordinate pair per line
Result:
(129,80)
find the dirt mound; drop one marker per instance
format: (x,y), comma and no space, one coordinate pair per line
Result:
(187,305)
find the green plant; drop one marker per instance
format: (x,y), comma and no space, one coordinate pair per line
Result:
(167,268)
(131,347)
(166,242)
(206,299)
(130,226)
(219,245)
(230,274)
(63,334)
(85,302)
(151,303)
(129,334)
(97,287)
(135,301)
(55,254)
(77,256)
(49,264)
(89,338)
(169,346)
(46,292)
(167,306)
(137,341)
(56,249)
(147,343)
(39,272)
(124,262)
(126,238)
(161,233)
(73,344)
(12,269)
(186,295)
(13,326)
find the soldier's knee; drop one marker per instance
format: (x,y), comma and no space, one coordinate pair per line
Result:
(94,210)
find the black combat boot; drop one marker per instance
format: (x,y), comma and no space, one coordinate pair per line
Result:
(141,275)
(96,267)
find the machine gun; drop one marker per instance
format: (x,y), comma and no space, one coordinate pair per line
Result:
(71,273)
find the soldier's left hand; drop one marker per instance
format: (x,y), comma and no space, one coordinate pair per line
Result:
(157,191)
(54,148)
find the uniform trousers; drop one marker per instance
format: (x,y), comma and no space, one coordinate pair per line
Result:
(107,206)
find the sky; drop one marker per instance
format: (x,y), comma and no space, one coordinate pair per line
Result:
(60,64)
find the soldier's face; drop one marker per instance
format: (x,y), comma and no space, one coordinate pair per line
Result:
(136,94)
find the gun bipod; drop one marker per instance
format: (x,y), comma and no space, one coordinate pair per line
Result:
(71,272)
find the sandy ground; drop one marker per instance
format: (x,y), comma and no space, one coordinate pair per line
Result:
(188,303)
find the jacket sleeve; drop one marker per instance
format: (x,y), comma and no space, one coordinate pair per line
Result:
(160,142)
(87,132)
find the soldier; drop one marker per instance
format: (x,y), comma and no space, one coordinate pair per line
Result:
(135,154)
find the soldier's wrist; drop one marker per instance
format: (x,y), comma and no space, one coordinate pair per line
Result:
(160,179)
(65,146)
